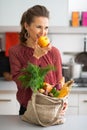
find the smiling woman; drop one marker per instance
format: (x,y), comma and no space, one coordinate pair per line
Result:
(34,24)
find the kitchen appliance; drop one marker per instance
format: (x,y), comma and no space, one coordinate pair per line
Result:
(81,58)
(67,70)
(81,82)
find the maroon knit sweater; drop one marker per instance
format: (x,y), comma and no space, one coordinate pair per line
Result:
(20,55)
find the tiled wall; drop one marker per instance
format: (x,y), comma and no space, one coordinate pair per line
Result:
(64,42)
(68,43)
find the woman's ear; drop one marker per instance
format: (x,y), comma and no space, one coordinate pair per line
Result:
(26,26)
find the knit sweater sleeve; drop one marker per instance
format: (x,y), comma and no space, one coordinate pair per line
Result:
(15,65)
(57,60)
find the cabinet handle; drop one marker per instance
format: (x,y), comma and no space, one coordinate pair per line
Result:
(84,100)
(5,100)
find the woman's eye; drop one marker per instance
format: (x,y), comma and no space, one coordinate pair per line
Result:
(46,28)
(38,26)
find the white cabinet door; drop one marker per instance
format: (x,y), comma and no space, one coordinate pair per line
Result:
(8,104)
(72,111)
(72,104)
(10,12)
(77,104)
(82,104)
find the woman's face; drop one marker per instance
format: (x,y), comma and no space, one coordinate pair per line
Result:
(39,27)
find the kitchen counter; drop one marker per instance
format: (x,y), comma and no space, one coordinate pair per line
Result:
(13,122)
(7,85)
(11,86)
(8,102)
(79,90)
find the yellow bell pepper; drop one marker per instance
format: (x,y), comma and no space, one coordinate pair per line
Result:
(65,89)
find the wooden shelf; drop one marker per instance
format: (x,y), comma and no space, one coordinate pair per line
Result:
(4,29)
(52,29)
(67,30)
(71,53)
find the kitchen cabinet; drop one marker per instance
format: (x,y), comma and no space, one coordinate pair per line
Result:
(75,5)
(82,104)
(10,13)
(73,107)
(77,104)
(67,30)
(8,101)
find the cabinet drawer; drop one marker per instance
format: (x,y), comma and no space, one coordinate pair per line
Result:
(8,104)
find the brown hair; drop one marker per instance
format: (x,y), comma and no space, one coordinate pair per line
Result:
(28,16)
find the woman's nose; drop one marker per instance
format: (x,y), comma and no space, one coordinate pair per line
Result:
(42,32)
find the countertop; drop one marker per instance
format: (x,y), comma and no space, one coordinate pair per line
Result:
(79,90)
(13,122)
(11,86)
(7,85)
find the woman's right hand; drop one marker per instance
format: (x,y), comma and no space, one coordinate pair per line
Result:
(39,51)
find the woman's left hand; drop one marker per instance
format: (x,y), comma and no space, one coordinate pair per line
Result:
(39,51)
(64,108)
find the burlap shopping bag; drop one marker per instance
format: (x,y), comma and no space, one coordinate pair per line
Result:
(44,110)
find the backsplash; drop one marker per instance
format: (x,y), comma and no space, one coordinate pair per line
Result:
(69,43)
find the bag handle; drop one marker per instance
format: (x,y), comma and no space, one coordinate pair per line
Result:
(36,114)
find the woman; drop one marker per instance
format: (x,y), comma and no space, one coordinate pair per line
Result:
(34,23)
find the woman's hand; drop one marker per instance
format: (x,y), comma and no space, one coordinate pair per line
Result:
(64,108)
(7,76)
(39,51)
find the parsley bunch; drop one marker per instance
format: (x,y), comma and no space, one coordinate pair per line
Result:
(34,76)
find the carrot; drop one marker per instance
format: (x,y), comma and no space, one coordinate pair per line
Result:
(47,87)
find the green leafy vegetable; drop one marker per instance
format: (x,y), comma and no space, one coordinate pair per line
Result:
(34,76)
